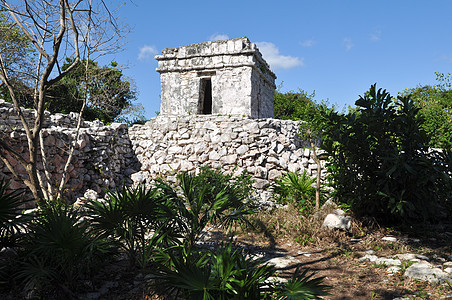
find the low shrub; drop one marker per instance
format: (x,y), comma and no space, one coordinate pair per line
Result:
(295,188)
(60,249)
(227,274)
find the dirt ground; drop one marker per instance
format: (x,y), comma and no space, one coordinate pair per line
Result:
(338,261)
(333,255)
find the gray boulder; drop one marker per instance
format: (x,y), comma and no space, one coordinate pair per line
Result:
(337,221)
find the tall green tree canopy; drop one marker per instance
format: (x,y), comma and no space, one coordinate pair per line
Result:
(18,56)
(108,91)
(294,105)
(435,103)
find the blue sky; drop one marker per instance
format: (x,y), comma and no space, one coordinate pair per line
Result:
(335,48)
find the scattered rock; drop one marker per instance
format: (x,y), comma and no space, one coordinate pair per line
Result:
(427,272)
(333,221)
(412,257)
(389,239)
(283,261)
(381,260)
(393,270)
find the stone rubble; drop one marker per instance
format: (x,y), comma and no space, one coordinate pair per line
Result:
(420,269)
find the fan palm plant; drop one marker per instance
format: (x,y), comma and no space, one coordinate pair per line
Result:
(12,220)
(60,249)
(223,274)
(303,287)
(296,188)
(140,218)
(227,274)
(199,203)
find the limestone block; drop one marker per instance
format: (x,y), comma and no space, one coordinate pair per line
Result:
(272,160)
(261,183)
(427,272)
(260,172)
(215,139)
(252,127)
(186,165)
(333,221)
(215,164)
(225,138)
(242,149)
(203,158)
(229,159)
(274,174)
(211,126)
(293,167)
(137,178)
(200,148)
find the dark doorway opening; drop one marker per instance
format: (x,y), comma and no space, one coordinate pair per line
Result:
(205,99)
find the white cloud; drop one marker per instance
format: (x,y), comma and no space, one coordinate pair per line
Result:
(277,61)
(447,58)
(147,52)
(348,44)
(218,37)
(375,36)
(308,43)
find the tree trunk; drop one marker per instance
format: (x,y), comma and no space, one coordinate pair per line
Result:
(319,172)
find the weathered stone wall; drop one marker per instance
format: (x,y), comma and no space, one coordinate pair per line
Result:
(105,156)
(102,159)
(264,147)
(242,82)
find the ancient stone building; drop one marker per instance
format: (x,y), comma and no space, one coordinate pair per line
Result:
(227,77)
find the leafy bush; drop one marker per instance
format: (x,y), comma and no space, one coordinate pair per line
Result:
(240,186)
(380,163)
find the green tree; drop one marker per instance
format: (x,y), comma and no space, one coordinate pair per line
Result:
(435,103)
(293,105)
(301,106)
(18,56)
(109,92)
(380,164)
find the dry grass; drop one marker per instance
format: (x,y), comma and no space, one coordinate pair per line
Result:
(287,224)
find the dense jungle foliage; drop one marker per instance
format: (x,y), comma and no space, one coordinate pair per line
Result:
(379,161)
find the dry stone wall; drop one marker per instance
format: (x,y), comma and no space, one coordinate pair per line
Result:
(266,148)
(102,157)
(106,156)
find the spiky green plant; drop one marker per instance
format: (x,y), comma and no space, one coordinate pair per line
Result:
(200,203)
(295,188)
(60,249)
(221,274)
(303,287)
(140,218)
(12,220)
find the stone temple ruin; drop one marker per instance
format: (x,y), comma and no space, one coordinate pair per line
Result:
(216,110)
(227,77)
